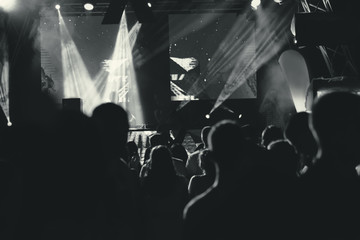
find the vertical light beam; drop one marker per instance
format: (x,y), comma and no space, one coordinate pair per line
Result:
(4,89)
(121,85)
(77,81)
(4,77)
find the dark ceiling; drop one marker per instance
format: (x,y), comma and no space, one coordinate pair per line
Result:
(101,6)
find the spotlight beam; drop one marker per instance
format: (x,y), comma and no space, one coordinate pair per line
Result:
(269,46)
(4,88)
(77,81)
(227,56)
(4,79)
(120,84)
(100,80)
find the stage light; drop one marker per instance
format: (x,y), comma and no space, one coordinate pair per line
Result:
(88,6)
(255,4)
(278,1)
(9,124)
(149,4)
(240,115)
(207,116)
(8,5)
(57,7)
(292,26)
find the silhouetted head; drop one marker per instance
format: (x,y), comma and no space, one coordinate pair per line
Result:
(297,131)
(161,162)
(113,124)
(161,174)
(250,133)
(206,163)
(226,142)
(283,157)
(271,133)
(335,124)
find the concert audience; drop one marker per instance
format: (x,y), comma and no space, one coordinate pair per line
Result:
(68,177)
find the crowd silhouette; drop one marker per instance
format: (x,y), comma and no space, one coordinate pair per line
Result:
(71,176)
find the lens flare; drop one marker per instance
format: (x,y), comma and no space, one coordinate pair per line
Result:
(255,4)
(8,5)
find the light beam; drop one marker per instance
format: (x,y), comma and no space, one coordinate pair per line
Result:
(269,42)
(116,82)
(4,79)
(77,81)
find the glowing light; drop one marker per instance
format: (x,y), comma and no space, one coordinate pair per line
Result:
(149,4)
(278,1)
(8,5)
(133,33)
(255,4)
(296,72)
(207,116)
(116,82)
(4,77)
(88,6)
(9,124)
(77,82)
(267,46)
(240,115)
(292,26)
(57,7)
(122,78)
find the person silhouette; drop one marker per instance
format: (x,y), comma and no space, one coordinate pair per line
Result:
(192,163)
(165,194)
(297,132)
(121,197)
(243,198)
(332,182)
